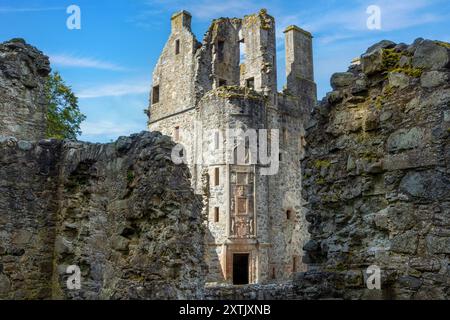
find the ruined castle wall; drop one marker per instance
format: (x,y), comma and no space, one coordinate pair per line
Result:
(175,71)
(23,74)
(122,212)
(221,44)
(258,32)
(376,177)
(287,234)
(28,206)
(182,129)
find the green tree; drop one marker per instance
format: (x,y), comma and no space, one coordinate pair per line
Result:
(63,115)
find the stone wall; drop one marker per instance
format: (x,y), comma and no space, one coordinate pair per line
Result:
(376,177)
(122,212)
(23,72)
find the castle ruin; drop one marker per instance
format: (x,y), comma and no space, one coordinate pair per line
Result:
(200,91)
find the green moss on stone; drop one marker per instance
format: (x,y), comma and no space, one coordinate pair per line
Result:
(230,92)
(318,164)
(391,63)
(320,181)
(443,44)
(391,59)
(410,71)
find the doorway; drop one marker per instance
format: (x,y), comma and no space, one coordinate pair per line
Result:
(240,268)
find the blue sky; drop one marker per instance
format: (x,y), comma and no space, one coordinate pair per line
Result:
(109,61)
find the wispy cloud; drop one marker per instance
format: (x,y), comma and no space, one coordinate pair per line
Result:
(63,60)
(347,22)
(207,9)
(203,9)
(115,90)
(29,9)
(110,128)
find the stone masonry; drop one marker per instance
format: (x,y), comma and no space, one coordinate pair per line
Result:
(202,90)
(373,189)
(377,180)
(23,70)
(122,212)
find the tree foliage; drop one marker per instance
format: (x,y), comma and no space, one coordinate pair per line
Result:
(63,115)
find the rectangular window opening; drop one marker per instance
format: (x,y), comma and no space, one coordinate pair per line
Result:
(216,176)
(155,94)
(216,214)
(217,140)
(288,214)
(177,47)
(242,53)
(250,83)
(220,50)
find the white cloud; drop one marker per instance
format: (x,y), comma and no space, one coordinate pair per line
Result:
(83,62)
(18,10)
(109,128)
(115,90)
(207,9)
(346,23)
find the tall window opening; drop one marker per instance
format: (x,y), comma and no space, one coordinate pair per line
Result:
(220,50)
(242,51)
(217,140)
(176,133)
(216,214)
(288,214)
(285,135)
(217,176)
(177,47)
(155,94)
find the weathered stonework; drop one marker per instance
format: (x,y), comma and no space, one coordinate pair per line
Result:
(230,82)
(377,180)
(23,107)
(123,212)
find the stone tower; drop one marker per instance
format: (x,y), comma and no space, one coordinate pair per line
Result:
(219,100)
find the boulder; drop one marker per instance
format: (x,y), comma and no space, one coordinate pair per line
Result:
(342,79)
(383,44)
(372,62)
(433,79)
(431,56)
(399,79)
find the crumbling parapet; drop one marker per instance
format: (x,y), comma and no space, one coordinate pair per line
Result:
(23,104)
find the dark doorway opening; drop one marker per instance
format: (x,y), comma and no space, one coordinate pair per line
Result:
(240,268)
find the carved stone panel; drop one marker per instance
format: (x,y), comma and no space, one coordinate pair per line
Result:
(242,215)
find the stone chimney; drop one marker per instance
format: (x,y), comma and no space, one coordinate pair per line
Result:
(181,20)
(299,64)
